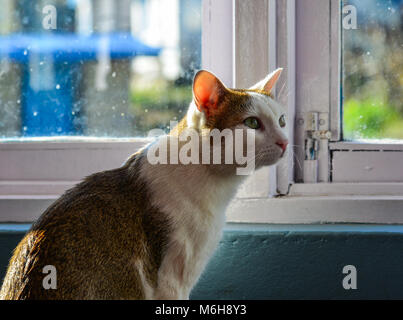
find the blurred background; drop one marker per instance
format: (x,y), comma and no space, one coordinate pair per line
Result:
(118,68)
(373,71)
(104,68)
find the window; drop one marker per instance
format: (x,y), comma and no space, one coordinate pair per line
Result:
(81,84)
(351,91)
(346,167)
(96,68)
(372,126)
(372,71)
(337,171)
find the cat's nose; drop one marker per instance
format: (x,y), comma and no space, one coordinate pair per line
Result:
(282,144)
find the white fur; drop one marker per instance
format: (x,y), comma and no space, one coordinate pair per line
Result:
(269,111)
(194,199)
(148,290)
(194,118)
(195,202)
(268,83)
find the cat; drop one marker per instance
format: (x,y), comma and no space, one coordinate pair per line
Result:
(146,231)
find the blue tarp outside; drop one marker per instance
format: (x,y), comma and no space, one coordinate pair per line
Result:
(72,47)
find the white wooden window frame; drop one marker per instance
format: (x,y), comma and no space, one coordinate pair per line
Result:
(242,42)
(319,68)
(363,179)
(303,37)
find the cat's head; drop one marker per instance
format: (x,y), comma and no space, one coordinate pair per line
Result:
(215,106)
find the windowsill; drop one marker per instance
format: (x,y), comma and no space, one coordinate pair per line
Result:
(59,162)
(312,228)
(380,209)
(266,228)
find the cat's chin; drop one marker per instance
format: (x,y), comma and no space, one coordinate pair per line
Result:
(267,162)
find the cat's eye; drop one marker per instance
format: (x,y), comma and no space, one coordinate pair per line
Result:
(281,121)
(252,123)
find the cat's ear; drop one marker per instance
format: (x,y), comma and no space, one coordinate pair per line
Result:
(268,83)
(208,91)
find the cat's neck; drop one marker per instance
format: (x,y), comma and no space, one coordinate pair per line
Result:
(193,198)
(207,186)
(201,186)
(197,185)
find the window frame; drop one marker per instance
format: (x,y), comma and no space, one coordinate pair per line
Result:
(341,187)
(229,54)
(374,155)
(338,160)
(36,172)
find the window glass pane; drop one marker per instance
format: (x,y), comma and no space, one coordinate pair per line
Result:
(110,68)
(373,69)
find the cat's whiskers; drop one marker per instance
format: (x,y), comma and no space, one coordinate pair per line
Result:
(294,155)
(281,90)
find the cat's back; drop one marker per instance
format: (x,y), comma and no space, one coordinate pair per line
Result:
(95,233)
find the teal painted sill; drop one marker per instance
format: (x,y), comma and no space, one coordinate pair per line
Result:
(288,261)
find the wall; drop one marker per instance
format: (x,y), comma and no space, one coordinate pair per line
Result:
(290,261)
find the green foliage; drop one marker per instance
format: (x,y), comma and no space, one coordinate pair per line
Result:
(161,97)
(156,106)
(371,118)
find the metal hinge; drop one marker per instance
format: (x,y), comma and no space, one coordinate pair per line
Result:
(317,136)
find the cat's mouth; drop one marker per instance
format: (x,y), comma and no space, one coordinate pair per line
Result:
(282,144)
(283,153)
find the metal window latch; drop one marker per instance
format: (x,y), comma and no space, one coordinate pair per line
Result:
(315,133)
